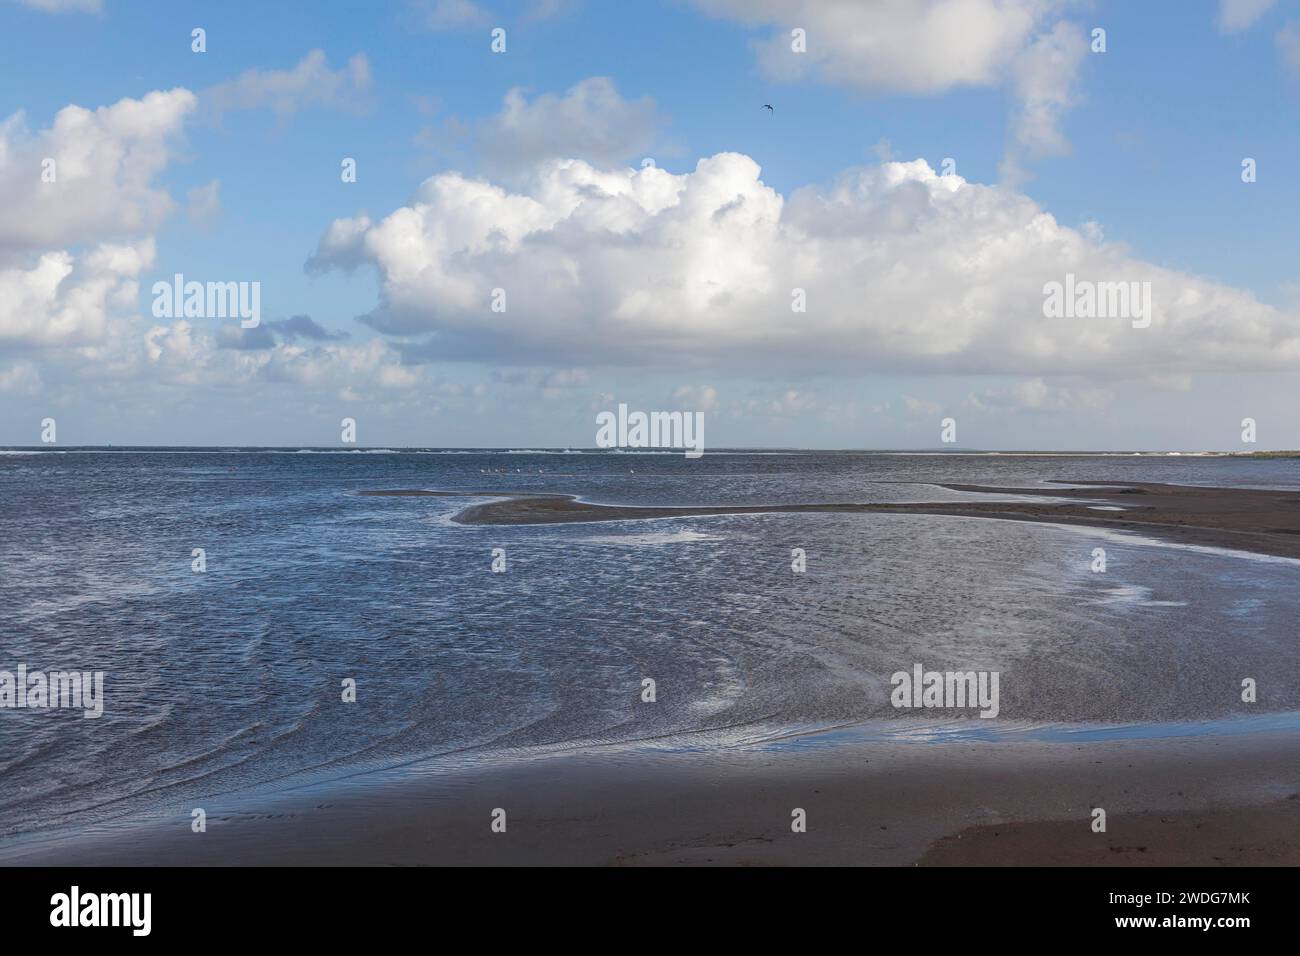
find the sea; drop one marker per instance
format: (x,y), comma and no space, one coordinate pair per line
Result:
(234,599)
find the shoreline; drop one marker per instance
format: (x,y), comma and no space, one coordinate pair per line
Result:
(1258,521)
(1175,801)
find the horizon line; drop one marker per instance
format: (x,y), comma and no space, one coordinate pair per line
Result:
(571,449)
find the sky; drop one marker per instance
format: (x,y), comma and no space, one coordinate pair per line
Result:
(601,210)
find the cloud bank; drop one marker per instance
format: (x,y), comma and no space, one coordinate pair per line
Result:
(901,269)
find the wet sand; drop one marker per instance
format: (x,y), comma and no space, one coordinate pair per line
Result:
(1209,800)
(1241,836)
(1244,519)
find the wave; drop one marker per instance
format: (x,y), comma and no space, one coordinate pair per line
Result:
(538,451)
(339,451)
(651,538)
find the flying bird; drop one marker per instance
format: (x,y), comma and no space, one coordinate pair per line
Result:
(769,107)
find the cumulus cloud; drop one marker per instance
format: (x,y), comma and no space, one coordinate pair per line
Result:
(930,47)
(81,206)
(192,353)
(142,359)
(590,121)
(310,83)
(73,249)
(64,300)
(99,181)
(902,269)
(1238,15)
(908,46)
(372,365)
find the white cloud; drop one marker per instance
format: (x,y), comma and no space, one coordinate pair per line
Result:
(697,398)
(190,353)
(908,46)
(105,161)
(590,121)
(1036,395)
(64,300)
(465,14)
(1288,46)
(930,47)
(1171,383)
(310,83)
(21,378)
(72,252)
(81,207)
(551,383)
(921,406)
(1045,76)
(203,204)
(371,365)
(792,401)
(65,6)
(548,9)
(450,14)
(1238,15)
(904,270)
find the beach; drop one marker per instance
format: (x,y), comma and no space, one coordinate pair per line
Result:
(1230,800)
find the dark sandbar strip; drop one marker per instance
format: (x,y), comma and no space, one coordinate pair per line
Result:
(1244,519)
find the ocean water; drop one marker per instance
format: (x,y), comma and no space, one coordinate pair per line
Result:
(228,681)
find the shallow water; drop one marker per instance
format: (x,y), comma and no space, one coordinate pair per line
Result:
(231,679)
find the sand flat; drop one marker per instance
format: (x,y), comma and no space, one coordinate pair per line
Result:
(1209,800)
(1245,519)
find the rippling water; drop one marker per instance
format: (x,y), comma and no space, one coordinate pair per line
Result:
(230,679)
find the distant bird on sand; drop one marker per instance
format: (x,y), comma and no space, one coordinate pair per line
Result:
(769,107)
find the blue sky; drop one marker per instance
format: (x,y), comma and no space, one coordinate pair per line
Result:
(1134,154)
